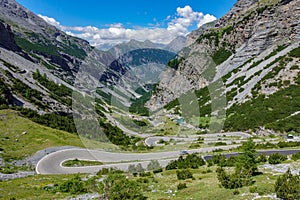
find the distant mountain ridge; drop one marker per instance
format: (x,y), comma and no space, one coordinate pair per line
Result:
(174,46)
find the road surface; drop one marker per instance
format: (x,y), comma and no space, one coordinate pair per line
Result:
(52,163)
(208,138)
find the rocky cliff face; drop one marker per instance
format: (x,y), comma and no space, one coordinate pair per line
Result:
(7,38)
(249,32)
(28,44)
(63,54)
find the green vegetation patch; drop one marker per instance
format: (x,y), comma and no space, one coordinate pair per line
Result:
(32,187)
(138,105)
(21,137)
(80,163)
(211,36)
(221,55)
(42,48)
(59,92)
(295,53)
(257,112)
(48,48)
(190,161)
(175,62)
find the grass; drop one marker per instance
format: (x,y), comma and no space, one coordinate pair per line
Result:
(18,146)
(80,163)
(206,186)
(32,187)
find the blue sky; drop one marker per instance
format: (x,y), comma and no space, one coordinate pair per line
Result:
(177,16)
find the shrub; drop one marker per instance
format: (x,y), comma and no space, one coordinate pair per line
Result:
(219,160)
(221,55)
(145,174)
(236,192)
(153,165)
(158,171)
(116,135)
(59,92)
(234,180)
(253,189)
(295,53)
(288,144)
(181,186)
(220,144)
(73,186)
(262,158)
(191,161)
(287,186)
(296,156)
(184,174)
(117,186)
(277,158)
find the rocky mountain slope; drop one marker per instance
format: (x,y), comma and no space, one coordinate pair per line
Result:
(29,46)
(251,36)
(249,55)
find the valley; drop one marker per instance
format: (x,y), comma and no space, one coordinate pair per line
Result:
(213,114)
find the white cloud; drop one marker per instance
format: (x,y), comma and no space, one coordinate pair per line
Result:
(186,18)
(178,25)
(50,20)
(206,19)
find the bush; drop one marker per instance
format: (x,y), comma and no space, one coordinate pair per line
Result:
(181,186)
(296,156)
(117,186)
(277,158)
(191,161)
(153,165)
(73,186)
(184,174)
(253,189)
(220,144)
(262,158)
(145,174)
(221,55)
(287,186)
(158,171)
(136,169)
(234,180)
(288,144)
(219,160)
(236,192)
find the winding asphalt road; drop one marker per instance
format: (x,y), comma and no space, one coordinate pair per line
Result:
(208,138)
(52,163)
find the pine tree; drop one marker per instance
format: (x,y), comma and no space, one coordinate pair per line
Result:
(287,186)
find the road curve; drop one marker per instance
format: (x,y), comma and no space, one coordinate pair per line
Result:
(208,138)
(52,163)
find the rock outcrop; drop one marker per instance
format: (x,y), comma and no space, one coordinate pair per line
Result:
(7,38)
(250,31)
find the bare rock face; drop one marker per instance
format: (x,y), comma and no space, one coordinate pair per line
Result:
(7,38)
(247,31)
(194,35)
